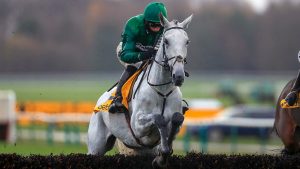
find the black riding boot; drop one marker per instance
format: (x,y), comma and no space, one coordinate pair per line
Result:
(117,106)
(291,98)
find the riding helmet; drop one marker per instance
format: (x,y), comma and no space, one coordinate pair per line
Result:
(152,11)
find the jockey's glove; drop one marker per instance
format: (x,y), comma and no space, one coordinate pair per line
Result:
(151,52)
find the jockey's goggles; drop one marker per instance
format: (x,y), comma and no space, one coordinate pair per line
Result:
(154,24)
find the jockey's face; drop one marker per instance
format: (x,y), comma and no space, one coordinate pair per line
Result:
(154,27)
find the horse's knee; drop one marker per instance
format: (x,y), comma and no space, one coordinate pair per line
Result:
(159,121)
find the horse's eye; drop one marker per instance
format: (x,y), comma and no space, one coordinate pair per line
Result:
(166,42)
(187,42)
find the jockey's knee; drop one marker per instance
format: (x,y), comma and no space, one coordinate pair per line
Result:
(131,68)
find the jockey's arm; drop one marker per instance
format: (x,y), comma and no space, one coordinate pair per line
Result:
(129,53)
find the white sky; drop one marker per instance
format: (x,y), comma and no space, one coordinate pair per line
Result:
(259,5)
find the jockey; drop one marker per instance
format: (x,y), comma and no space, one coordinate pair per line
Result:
(291,97)
(139,38)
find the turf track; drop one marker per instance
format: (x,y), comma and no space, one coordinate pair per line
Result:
(190,161)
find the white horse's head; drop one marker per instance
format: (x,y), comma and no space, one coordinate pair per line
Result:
(175,43)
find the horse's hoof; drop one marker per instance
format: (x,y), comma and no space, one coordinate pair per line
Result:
(159,163)
(155,165)
(165,151)
(177,119)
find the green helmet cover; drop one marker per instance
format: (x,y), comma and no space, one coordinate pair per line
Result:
(152,11)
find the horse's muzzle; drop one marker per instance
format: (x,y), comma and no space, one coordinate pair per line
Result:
(178,79)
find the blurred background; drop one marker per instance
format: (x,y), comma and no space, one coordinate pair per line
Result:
(57,57)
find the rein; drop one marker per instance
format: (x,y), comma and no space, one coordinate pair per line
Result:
(165,65)
(166,60)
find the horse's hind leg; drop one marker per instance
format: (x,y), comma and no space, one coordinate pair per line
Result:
(100,140)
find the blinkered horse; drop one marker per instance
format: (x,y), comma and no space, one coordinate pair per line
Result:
(156,108)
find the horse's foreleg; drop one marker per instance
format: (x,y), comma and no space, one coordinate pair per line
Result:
(143,124)
(164,150)
(177,120)
(161,124)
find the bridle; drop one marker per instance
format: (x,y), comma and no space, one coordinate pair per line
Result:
(166,66)
(166,59)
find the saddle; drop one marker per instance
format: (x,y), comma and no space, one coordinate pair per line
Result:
(127,90)
(285,105)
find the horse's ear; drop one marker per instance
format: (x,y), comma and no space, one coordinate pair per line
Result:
(299,56)
(184,24)
(163,21)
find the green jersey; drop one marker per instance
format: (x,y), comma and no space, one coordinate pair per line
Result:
(136,38)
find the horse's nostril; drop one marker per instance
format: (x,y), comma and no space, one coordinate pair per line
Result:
(178,80)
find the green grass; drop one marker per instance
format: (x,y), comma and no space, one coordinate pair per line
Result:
(57,127)
(43,148)
(86,90)
(40,147)
(89,88)
(239,139)
(56,90)
(28,147)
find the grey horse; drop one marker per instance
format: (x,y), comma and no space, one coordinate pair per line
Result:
(155,110)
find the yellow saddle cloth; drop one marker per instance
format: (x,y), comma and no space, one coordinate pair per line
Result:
(284,104)
(126,93)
